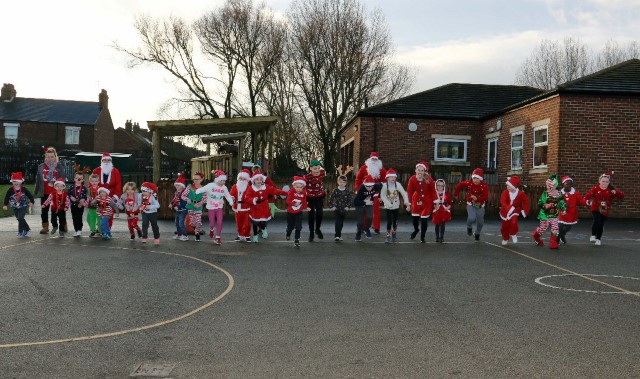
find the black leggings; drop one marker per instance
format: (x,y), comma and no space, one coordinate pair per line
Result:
(598,224)
(440,231)
(424,224)
(392,219)
(315,213)
(258,225)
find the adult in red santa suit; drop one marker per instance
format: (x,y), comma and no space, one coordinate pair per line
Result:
(241,206)
(373,166)
(110,178)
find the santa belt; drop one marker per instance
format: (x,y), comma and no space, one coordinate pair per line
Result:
(132,213)
(470,203)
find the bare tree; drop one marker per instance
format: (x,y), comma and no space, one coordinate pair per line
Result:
(342,55)
(613,54)
(169,43)
(553,63)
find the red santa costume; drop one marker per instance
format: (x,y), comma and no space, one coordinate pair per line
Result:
(569,217)
(600,198)
(421,192)
(477,196)
(241,205)
(259,210)
(373,166)
(513,203)
(441,214)
(110,178)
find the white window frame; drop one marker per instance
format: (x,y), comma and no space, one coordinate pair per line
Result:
(520,133)
(539,144)
(75,135)
(11,126)
(495,157)
(435,153)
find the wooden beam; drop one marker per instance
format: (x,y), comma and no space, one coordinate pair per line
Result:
(157,155)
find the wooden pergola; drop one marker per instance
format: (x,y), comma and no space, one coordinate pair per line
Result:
(219,129)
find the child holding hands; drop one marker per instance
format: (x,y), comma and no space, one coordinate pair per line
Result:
(296,203)
(513,203)
(106,207)
(149,209)
(78,196)
(441,210)
(390,195)
(59,202)
(340,200)
(599,198)
(216,193)
(130,203)
(179,205)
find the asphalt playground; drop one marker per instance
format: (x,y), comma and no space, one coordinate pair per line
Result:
(88,308)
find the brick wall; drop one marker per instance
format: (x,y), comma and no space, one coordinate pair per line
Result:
(104,132)
(53,135)
(402,149)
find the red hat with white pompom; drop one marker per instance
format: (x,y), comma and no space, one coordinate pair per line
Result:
(149,187)
(477,174)
(218,175)
(181,180)
(391,173)
(16,177)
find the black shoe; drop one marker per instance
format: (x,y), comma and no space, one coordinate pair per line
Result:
(422,240)
(376,231)
(414,234)
(139,233)
(564,240)
(288,237)
(477,236)
(93,234)
(296,243)
(133,236)
(197,237)
(319,233)
(310,237)
(469,231)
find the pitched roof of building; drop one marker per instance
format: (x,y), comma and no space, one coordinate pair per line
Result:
(623,78)
(50,111)
(453,101)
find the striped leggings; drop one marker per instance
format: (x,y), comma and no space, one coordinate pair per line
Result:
(195,219)
(544,225)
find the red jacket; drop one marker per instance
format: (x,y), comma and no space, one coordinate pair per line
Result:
(571,201)
(296,201)
(421,195)
(601,198)
(513,208)
(258,201)
(362,173)
(480,191)
(114,183)
(240,203)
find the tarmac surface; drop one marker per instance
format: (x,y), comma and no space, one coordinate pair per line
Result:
(88,308)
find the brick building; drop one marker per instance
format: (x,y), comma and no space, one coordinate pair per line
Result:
(65,124)
(581,128)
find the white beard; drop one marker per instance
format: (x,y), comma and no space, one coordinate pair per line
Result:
(373,167)
(242,185)
(106,168)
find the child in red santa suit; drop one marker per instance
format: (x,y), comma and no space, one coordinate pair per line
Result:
(569,217)
(513,203)
(441,209)
(59,202)
(374,168)
(296,204)
(241,206)
(260,213)
(600,198)
(477,195)
(421,193)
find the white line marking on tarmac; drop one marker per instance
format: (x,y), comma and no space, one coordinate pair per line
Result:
(539,281)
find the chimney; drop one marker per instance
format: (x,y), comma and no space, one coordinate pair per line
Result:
(8,92)
(128,126)
(136,127)
(103,99)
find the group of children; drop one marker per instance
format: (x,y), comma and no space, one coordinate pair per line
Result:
(250,199)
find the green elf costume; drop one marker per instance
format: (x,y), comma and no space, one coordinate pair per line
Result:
(551,203)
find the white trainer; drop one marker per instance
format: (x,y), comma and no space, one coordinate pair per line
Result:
(592,239)
(504,242)
(598,243)
(514,239)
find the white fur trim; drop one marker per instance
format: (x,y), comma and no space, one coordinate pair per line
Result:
(421,165)
(59,182)
(477,176)
(219,178)
(244,175)
(300,182)
(104,189)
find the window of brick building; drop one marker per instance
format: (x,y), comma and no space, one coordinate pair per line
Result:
(451,150)
(11,131)
(540,146)
(346,153)
(516,150)
(72,135)
(492,153)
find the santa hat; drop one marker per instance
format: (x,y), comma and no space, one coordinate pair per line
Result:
(607,174)
(218,175)
(513,181)
(246,174)
(149,187)
(60,181)
(477,173)
(391,173)
(299,180)
(552,181)
(181,180)
(424,165)
(374,155)
(106,155)
(369,181)
(257,175)
(17,177)
(566,178)
(103,189)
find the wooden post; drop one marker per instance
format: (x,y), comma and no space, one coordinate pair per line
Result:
(157,155)
(240,154)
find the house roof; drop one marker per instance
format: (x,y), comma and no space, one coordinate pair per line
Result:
(453,101)
(623,78)
(50,111)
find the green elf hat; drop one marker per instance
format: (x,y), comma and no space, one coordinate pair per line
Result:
(552,181)
(315,162)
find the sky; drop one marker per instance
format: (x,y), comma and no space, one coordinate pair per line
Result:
(64,49)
